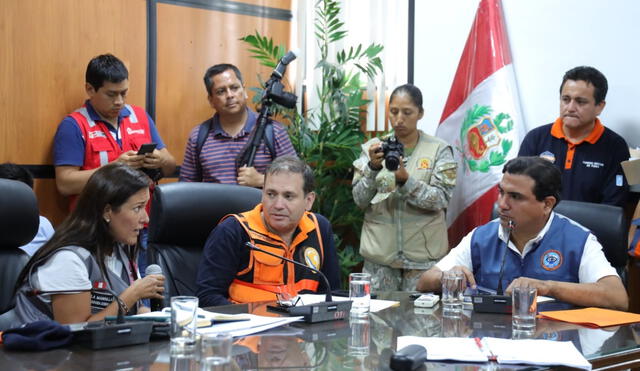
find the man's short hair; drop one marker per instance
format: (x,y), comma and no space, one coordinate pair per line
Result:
(218,69)
(294,165)
(546,176)
(12,171)
(105,67)
(591,76)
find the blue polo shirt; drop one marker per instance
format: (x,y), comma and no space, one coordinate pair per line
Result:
(591,170)
(69,145)
(220,150)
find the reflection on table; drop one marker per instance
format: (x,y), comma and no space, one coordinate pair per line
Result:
(351,344)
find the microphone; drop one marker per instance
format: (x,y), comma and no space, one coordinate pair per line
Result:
(103,334)
(510,227)
(282,64)
(319,312)
(498,302)
(155,304)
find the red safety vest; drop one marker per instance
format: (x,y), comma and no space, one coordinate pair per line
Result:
(267,275)
(100,146)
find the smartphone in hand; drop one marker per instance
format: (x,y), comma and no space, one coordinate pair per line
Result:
(147,148)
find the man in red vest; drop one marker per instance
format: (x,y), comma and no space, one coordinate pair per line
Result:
(105,129)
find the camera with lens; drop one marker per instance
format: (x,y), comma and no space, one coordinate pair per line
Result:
(281,97)
(393,151)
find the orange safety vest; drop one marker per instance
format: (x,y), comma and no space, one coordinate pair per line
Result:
(266,275)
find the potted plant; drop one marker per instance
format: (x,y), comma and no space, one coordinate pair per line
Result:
(329,137)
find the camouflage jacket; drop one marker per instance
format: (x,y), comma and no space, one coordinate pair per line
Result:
(406,224)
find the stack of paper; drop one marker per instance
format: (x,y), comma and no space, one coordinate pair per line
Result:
(505,351)
(235,324)
(245,325)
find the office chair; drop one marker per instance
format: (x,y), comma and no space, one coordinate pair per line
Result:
(19,221)
(182,217)
(606,222)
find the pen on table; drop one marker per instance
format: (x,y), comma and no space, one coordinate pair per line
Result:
(488,353)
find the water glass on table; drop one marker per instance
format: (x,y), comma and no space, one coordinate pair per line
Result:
(360,293)
(452,293)
(524,308)
(215,352)
(183,322)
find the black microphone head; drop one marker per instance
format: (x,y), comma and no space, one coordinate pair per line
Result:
(511,224)
(153,269)
(289,57)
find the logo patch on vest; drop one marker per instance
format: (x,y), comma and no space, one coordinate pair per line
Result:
(551,260)
(424,164)
(548,156)
(100,300)
(312,258)
(132,131)
(96,134)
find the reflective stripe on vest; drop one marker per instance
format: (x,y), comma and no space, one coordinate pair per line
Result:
(104,156)
(132,117)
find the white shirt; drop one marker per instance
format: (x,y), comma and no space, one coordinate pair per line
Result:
(593,264)
(45,232)
(65,270)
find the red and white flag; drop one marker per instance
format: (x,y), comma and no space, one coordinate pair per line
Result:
(481,120)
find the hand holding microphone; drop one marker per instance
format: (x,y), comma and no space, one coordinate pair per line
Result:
(154,272)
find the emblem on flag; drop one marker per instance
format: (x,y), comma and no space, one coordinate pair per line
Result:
(484,138)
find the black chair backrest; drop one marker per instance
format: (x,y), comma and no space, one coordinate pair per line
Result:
(19,221)
(606,222)
(182,217)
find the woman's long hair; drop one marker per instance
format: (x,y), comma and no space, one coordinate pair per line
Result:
(112,185)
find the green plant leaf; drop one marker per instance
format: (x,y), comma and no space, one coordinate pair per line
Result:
(329,137)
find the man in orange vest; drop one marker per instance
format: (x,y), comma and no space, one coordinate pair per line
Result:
(281,224)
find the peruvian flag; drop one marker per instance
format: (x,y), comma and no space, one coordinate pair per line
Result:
(481,120)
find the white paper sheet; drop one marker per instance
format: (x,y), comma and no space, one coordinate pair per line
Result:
(250,325)
(507,351)
(375,306)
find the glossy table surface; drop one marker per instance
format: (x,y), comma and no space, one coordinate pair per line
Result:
(351,344)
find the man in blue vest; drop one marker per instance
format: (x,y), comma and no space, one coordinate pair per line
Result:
(546,250)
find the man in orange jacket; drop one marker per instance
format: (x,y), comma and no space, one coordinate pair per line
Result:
(281,224)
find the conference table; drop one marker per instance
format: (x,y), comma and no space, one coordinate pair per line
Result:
(350,344)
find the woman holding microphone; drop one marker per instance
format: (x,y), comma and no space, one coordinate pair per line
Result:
(91,256)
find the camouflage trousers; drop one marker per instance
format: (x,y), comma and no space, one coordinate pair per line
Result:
(385,278)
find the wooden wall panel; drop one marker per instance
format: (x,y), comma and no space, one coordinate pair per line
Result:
(281,4)
(189,41)
(46,46)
